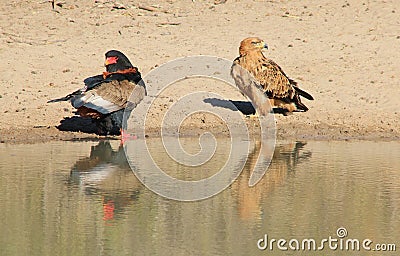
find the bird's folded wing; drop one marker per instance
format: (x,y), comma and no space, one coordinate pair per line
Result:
(251,88)
(137,94)
(106,98)
(93,81)
(69,96)
(273,80)
(90,83)
(116,92)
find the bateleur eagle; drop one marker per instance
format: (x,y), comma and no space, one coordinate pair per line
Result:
(105,97)
(265,76)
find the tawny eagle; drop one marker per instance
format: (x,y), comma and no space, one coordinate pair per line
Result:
(262,80)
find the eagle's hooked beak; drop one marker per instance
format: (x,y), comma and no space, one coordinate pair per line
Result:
(264,45)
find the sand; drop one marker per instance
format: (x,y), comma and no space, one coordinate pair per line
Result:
(345,53)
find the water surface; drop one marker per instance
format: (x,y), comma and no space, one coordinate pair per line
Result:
(81,198)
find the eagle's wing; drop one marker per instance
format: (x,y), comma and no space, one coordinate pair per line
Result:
(248,85)
(93,81)
(108,97)
(90,83)
(273,80)
(276,83)
(70,96)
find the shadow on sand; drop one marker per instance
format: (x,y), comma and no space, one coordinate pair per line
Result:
(245,107)
(86,125)
(77,124)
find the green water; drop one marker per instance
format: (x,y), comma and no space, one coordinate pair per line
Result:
(81,198)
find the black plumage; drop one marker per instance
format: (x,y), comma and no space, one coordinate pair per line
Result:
(104,98)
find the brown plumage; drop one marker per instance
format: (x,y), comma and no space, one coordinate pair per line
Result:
(266,76)
(118,92)
(88,112)
(106,97)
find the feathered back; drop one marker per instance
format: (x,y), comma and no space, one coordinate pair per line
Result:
(269,75)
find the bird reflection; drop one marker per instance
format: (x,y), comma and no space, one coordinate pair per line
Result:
(285,159)
(106,172)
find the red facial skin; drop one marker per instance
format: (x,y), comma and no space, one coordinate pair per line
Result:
(111,60)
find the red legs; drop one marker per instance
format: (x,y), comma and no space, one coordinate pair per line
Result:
(125,136)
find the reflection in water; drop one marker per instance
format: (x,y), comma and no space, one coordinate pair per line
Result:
(285,158)
(70,198)
(106,172)
(102,163)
